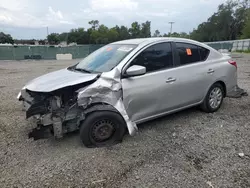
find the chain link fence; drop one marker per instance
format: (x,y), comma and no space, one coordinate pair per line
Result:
(81,51)
(233,45)
(44,52)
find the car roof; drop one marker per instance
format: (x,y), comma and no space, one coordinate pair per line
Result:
(141,42)
(153,39)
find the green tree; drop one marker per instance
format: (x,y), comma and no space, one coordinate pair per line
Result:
(63,36)
(123,32)
(102,35)
(113,35)
(157,33)
(246,29)
(225,24)
(79,36)
(135,30)
(6,38)
(94,24)
(53,38)
(166,35)
(175,34)
(184,35)
(145,29)
(99,36)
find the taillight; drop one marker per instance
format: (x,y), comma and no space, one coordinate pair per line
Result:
(233,63)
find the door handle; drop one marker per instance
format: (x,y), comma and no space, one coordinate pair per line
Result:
(170,80)
(210,71)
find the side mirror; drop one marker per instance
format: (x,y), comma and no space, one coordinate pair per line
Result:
(135,70)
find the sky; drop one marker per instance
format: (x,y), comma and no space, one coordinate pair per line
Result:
(28,19)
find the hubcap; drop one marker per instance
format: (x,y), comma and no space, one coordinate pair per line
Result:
(103,130)
(215,98)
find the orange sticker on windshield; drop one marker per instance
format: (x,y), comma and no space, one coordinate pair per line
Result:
(189,52)
(109,49)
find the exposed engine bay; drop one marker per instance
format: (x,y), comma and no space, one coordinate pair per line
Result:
(55,112)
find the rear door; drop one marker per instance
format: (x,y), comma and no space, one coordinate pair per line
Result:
(192,74)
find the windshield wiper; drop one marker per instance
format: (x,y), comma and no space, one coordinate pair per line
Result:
(82,70)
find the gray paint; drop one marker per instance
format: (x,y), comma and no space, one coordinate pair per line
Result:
(147,96)
(58,79)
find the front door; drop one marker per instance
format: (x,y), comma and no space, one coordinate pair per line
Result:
(147,95)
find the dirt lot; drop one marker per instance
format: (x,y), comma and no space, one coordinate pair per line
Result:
(187,149)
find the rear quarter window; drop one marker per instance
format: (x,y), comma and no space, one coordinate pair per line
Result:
(203,53)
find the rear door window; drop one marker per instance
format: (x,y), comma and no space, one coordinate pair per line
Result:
(190,53)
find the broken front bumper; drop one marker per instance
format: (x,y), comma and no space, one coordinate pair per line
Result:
(46,126)
(40,132)
(38,114)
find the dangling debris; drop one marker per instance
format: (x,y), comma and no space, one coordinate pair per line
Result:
(238,93)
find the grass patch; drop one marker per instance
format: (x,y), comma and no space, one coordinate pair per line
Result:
(243,51)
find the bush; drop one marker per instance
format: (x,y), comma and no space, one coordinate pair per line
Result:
(243,51)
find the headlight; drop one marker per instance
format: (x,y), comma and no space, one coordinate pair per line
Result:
(19,95)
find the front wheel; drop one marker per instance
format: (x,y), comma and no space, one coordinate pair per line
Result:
(102,128)
(214,98)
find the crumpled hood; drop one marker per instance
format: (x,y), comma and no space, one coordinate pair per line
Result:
(58,79)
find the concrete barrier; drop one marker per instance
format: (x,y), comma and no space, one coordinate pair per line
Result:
(63,56)
(223,50)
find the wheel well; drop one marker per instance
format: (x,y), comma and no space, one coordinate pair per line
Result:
(99,107)
(224,87)
(95,107)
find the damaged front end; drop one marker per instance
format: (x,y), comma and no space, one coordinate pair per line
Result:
(54,113)
(62,111)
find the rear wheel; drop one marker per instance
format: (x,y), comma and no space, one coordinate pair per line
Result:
(102,128)
(214,98)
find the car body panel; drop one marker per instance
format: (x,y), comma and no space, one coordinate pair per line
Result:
(149,96)
(137,98)
(143,95)
(58,79)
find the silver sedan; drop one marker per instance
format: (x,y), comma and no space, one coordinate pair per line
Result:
(127,83)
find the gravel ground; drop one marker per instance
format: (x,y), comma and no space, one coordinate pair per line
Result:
(187,149)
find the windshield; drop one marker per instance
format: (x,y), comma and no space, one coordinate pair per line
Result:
(105,58)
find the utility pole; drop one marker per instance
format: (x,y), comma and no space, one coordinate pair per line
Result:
(171,27)
(46,39)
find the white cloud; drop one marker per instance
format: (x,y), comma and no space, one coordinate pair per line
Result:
(121,10)
(14,5)
(5,19)
(76,13)
(54,18)
(22,17)
(104,5)
(55,14)
(17,18)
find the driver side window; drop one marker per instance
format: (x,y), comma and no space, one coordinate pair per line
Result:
(156,57)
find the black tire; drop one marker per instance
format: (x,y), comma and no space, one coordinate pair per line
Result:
(97,124)
(205,106)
